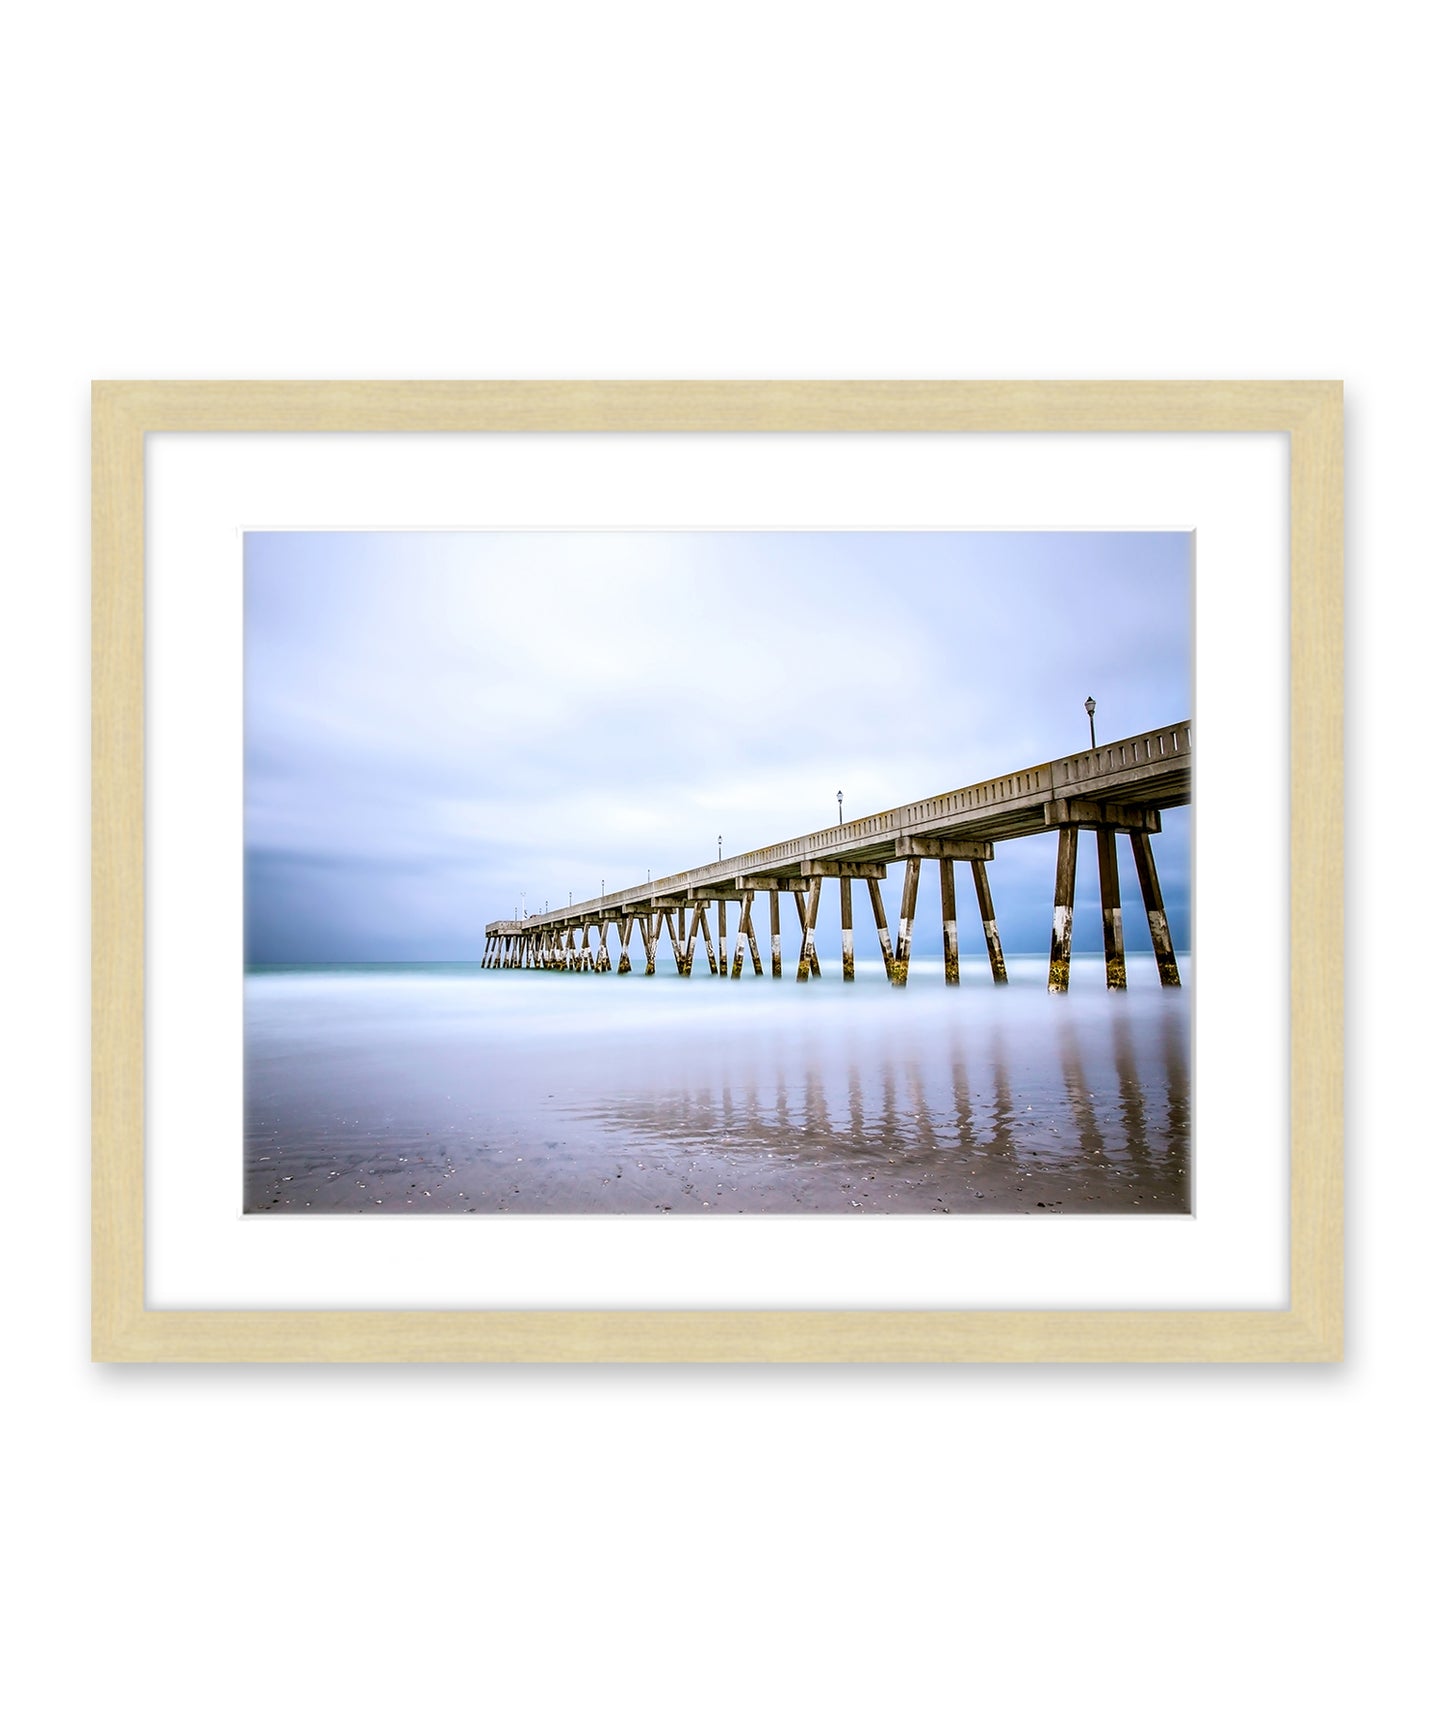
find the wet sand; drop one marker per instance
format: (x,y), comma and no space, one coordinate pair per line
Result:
(465,1092)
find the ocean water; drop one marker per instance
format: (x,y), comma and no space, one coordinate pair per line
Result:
(445,1087)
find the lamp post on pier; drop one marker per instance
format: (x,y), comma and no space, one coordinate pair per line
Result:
(1089,706)
(840,806)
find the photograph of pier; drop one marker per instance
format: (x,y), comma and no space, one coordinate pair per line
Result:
(650,781)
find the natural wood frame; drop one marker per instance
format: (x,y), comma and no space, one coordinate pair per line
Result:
(1310,412)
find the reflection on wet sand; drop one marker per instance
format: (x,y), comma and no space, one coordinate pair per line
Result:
(420,1095)
(1098,1120)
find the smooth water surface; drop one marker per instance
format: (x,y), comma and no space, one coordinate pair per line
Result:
(450,1088)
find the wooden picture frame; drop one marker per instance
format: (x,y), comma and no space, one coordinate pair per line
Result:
(1309,1329)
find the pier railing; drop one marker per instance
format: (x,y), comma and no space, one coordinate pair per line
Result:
(1000,808)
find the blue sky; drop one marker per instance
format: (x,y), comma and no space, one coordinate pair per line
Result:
(440,724)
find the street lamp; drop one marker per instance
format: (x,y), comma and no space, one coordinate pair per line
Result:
(840,806)
(719,845)
(1089,706)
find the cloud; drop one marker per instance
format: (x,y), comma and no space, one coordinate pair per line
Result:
(437,723)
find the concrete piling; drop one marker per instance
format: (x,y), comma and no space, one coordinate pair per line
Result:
(799,900)
(885,941)
(949,906)
(1115,977)
(1154,909)
(1061,941)
(775,933)
(676,939)
(990,926)
(845,921)
(707,938)
(905,921)
(752,936)
(808,957)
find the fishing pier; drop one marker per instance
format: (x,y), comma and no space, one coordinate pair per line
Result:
(1120,788)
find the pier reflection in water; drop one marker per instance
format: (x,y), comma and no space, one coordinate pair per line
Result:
(412,1091)
(1053,1109)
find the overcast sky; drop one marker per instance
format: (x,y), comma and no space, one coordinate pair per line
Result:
(440,725)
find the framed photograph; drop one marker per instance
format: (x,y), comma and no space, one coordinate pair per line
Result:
(698,871)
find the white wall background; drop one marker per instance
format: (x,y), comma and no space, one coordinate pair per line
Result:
(923,190)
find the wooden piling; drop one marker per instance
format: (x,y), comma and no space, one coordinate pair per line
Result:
(1154,909)
(1061,941)
(949,903)
(990,926)
(845,921)
(776,933)
(808,958)
(1113,916)
(904,949)
(880,918)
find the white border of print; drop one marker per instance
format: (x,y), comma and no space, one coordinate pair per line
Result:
(203,489)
